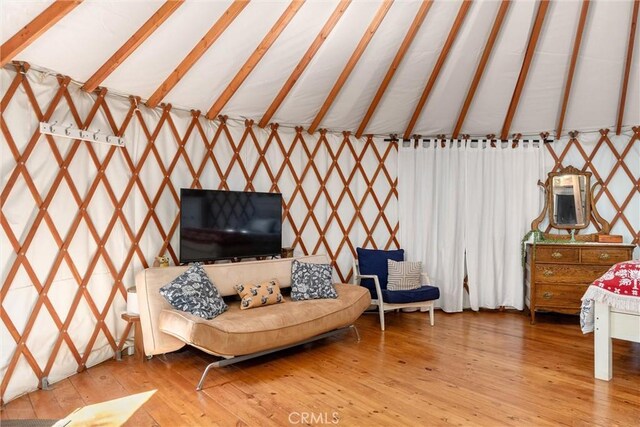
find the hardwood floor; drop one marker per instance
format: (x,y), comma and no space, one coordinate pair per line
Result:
(486,368)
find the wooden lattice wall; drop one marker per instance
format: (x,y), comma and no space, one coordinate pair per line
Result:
(101,213)
(78,219)
(614,160)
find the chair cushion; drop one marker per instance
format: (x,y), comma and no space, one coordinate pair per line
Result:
(424,293)
(374,261)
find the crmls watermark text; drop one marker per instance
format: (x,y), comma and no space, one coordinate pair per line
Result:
(314,418)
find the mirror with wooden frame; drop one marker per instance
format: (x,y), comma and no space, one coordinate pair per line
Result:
(570,204)
(568,200)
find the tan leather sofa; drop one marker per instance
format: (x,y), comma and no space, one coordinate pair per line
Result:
(242,332)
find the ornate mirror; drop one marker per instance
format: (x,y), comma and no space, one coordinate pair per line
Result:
(570,204)
(568,199)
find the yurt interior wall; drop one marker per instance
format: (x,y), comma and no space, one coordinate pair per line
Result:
(223,95)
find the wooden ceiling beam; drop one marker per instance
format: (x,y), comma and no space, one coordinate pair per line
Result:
(486,54)
(543,6)
(353,60)
(196,53)
(306,59)
(406,43)
(444,53)
(627,69)
(34,29)
(255,58)
(148,28)
(572,66)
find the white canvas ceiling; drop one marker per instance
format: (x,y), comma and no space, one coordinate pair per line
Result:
(86,37)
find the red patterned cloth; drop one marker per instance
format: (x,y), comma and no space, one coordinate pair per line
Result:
(622,279)
(619,288)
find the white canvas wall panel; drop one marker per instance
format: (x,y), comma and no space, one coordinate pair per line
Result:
(311,90)
(15,14)
(263,84)
(401,97)
(220,63)
(85,38)
(148,66)
(632,107)
(361,87)
(598,79)
(541,99)
(491,102)
(441,111)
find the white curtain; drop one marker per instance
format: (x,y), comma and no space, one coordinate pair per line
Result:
(503,198)
(431,207)
(467,197)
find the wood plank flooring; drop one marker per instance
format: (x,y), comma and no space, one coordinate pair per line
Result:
(486,368)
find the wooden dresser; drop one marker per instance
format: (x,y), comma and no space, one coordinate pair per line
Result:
(557,275)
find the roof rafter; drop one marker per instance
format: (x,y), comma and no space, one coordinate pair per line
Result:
(148,28)
(486,54)
(543,6)
(255,58)
(408,39)
(572,66)
(451,38)
(353,60)
(306,59)
(196,53)
(34,29)
(627,69)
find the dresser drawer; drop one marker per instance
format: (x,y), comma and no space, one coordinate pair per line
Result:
(559,273)
(558,255)
(604,256)
(560,295)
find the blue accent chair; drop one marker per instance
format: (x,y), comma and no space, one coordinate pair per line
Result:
(370,270)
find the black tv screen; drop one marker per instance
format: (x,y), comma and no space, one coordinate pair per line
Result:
(217,224)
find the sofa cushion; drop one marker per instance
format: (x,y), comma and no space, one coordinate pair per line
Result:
(311,281)
(259,294)
(374,261)
(404,275)
(423,293)
(239,332)
(193,292)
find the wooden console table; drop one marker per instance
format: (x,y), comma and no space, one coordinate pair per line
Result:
(138,346)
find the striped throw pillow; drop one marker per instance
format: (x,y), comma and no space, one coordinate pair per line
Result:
(404,276)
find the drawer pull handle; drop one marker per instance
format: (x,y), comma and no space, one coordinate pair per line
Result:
(547,295)
(548,273)
(604,255)
(556,255)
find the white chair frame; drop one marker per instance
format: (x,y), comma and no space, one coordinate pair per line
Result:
(384,306)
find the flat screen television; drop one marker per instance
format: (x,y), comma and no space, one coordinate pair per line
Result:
(217,224)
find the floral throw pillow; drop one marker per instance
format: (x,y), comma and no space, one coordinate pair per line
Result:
(193,292)
(311,281)
(260,294)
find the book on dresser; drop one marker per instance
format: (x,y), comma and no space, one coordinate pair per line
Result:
(558,274)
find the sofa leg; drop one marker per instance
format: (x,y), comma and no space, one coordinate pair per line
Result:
(355,330)
(204,375)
